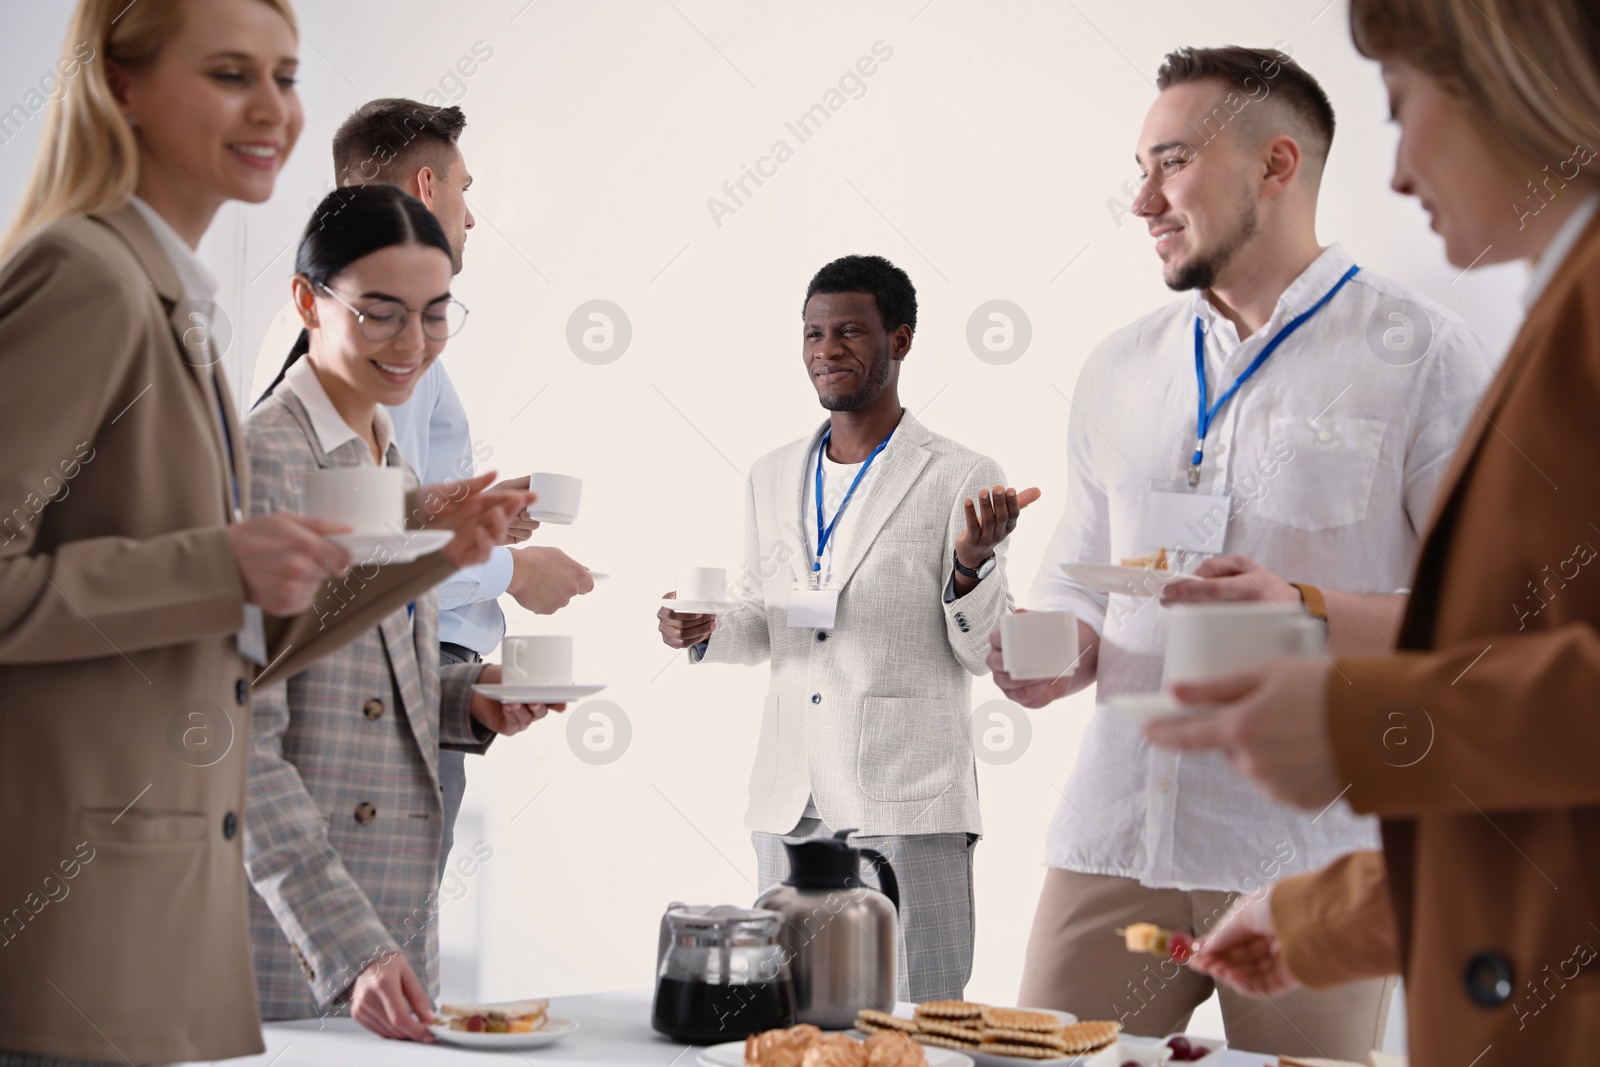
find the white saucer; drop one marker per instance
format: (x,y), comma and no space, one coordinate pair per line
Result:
(731,1054)
(536,694)
(598,576)
(555,518)
(393,547)
(700,607)
(1142,707)
(552,1031)
(1129,581)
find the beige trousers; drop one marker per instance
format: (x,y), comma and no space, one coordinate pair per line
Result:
(1076,963)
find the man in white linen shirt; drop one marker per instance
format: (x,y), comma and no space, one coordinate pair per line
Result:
(1321,470)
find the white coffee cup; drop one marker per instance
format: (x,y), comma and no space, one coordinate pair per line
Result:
(1039,644)
(545,659)
(558,496)
(369,500)
(1210,641)
(702,583)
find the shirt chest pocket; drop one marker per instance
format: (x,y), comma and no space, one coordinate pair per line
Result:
(1326,481)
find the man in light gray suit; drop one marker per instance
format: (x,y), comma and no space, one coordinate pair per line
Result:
(874,571)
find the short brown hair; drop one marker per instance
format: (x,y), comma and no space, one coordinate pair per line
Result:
(387,140)
(1258,73)
(1479,50)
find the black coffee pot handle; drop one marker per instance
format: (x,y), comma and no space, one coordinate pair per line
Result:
(886,879)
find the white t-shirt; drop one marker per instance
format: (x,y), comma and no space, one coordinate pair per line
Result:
(836,480)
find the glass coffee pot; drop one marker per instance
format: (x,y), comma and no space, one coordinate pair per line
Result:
(721,975)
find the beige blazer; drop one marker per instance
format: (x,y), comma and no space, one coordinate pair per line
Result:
(124,704)
(1479,743)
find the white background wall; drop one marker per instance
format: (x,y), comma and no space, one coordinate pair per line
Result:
(986,157)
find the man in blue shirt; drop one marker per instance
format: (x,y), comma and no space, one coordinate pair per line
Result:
(413,145)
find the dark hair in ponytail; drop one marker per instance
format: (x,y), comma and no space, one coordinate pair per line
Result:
(349,224)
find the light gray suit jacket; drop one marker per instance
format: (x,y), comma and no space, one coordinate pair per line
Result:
(343,814)
(873,716)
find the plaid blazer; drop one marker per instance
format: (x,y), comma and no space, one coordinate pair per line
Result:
(343,812)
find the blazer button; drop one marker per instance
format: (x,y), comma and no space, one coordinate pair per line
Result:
(822,635)
(816,698)
(241,690)
(365,813)
(1488,979)
(230,825)
(373,708)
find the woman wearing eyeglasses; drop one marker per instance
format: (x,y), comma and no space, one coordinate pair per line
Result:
(344,818)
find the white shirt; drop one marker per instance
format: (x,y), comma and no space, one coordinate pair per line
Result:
(1556,251)
(332,430)
(1370,442)
(434,437)
(836,480)
(198,282)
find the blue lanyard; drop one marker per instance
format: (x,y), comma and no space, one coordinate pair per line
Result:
(824,533)
(1207,414)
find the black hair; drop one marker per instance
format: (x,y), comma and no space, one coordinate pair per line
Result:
(890,287)
(352,223)
(387,140)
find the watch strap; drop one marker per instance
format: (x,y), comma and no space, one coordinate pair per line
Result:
(1316,606)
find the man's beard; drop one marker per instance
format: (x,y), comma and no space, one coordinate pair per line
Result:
(1201,272)
(877,377)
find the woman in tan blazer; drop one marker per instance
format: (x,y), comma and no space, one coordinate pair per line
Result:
(345,817)
(136,605)
(1476,742)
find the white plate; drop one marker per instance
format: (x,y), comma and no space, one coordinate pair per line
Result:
(700,607)
(1152,1051)
(598,576)
(552,1031)
(731,1054)
(536,694)
(402,547)
(555,518)
(1130,581)
(1142,707)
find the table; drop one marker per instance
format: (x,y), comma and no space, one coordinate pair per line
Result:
(614,1030)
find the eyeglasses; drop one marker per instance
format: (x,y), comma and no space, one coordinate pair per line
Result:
(384,320)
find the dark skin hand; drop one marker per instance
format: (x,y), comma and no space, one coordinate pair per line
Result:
(990,520)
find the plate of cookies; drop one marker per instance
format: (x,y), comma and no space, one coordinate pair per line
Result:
(996,1036)
(807,1046)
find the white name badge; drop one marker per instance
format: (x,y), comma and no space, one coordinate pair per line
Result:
(252,639)
(812,608)
(1192,522)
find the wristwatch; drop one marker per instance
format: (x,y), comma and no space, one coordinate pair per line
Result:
(984,569)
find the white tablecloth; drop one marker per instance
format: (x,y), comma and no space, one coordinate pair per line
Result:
(614,1029)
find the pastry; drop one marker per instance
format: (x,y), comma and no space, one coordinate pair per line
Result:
(869,1021)
(1088,1036)
(1027,1052)
(891,1048)
(1042,1038)
(963,1031)
(835,1050)
(780,1048)
(960,1044)
(1156,561)
(950,1010)
(513,1017)
(1019,1019)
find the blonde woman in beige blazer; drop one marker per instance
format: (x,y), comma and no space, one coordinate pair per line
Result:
(126,573)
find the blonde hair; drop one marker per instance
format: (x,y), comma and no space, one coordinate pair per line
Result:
(88,159)
(1482,51)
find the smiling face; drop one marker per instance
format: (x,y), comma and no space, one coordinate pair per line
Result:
(1471,191)
(851,359)
(383,372)
(216,113)
(1198,197)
